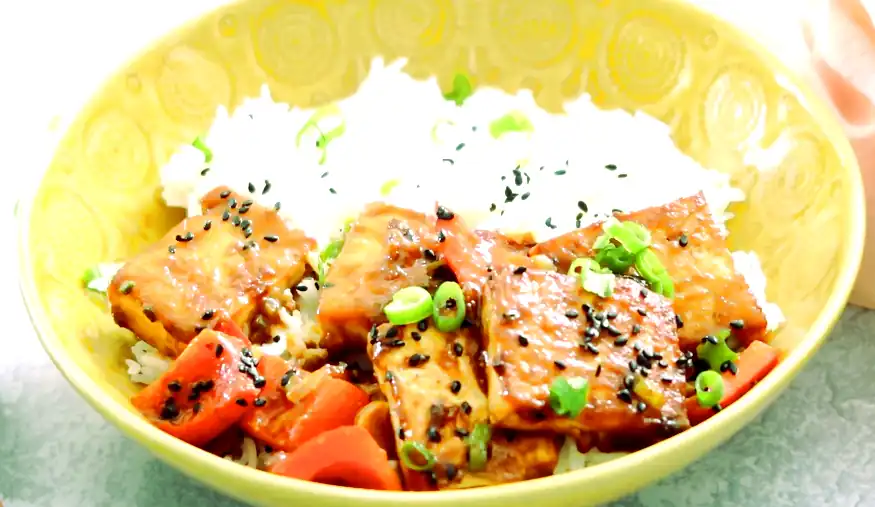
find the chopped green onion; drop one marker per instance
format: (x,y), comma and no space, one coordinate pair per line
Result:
(632,236)
(199,144)
(462,89)
(325,135)
(709,388)
(327,256)
(514,121)
(615,258)
(593,278)
(449,291)
(716,354)
(568,396)
(654,273)
(409,305)
(98,278)
(478,447)
(387,187)
(417,457)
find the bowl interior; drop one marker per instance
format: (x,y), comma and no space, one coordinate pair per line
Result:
(727,104)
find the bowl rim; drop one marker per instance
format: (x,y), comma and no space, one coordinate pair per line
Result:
(188,459)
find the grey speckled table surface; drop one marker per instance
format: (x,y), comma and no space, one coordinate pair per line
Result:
(814,447)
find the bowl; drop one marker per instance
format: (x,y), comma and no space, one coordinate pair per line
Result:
(728,103)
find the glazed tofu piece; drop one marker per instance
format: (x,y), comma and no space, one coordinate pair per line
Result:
(473,254)
(710,295)
(541,325)
(206,267)
(385,250)
(436,398)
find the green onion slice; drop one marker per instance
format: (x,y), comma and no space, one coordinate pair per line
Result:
(417,457)
(199,144)
(446,292)
(327,256)
(593,278)
(326,133)
(615,258)
(716,354)
(478,447)
(654,273)
(409,305)
(461,90)
(568,396)
(387,187)
(98,278)
(709,388)
(514,121)
(632,236)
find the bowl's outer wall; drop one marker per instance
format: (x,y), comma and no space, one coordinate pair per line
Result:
(728,104)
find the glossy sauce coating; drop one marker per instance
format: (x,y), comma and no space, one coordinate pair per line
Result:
(709,292)
(436,398)
(549,311)
(385,250)
(179,286)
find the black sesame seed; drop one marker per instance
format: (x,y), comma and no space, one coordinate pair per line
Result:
(598,370)
(272,238)
(591,332)
(259,382)
(717,409)
(462,432)
(260,402)
(662,363)
(511,315)
(519,270)
(241,402)
(591,348)
(466,408)
(524,342)
(629,381)
(509,195)
(171,249)
(641,407)
(678,321)
(666,379)
(276,339)
(266,188)
(624,395)
(247,233)
(559,364)
(643,293)
(560,172)
(636,328)
(710,339)
(583,207)
(736,324)
(549,223)
(209,314)
(611,314)
(460,146)
(441,236)
(417,359)
(287,377)
(429,254)
(232,203)
(434,435)
(149,312)
(455,387)
(219,350)
(458,350)
(324,174)
(492,207)
(185,238)
(169,410)
(642,312)
(422,325)
(611,167)
(396,343)
(450,304)
(392,332)
(251,188)
(451,471)
(333,192)
(571,313)
(401,434)
(277,206)
(525,196)
(613,331)
(245,223)
(225,194)
(236,220)
(208,224)
(174,386)
(244,209)
(683,240)
(621,340)
(126,287)
(444,214)
(416,336)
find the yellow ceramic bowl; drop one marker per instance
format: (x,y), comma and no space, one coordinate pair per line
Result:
(729,105)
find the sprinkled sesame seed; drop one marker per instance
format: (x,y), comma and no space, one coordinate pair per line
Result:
(560,172)
(277,206)
(621,340)
(209,314)
(642,312)
(710,339)
(444,213)
(429,254)
(462,432)
(415,335)
(641,406)
(245,223)
(241,402)
(324,174)
(448,161)
(583,207)
(598,370)
(174,386)
(636,328)
(509,195)
(466,407)
(126,287)
(402,434)
(333,192)
(266,188)
(260,402)
(455,387)
(559,364)
(149,312)
(247,233)
(591,332)
(208,224)
(259,382)
(624,395)
(392,332)
(460,146)
(612,330)
(185,238)
(736,324)
(571,313)
(232,203)
(433,434)
(510,314)
(219,349)
(611,314)
(458,350)
(678,321)
(683,240)
(224,194)
(549,223)
(441,236)
(611,167)
(243,210)
(171,249)
(525,195)
(272,238)
(417,359)
(591,348)
(622,175)
(422,325)
(492,207)
(524,342)
(519,270)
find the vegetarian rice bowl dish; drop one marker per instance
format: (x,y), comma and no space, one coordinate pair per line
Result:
(416,290)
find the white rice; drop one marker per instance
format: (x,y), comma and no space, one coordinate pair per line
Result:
(571,459)
(147,365)
(404,144)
